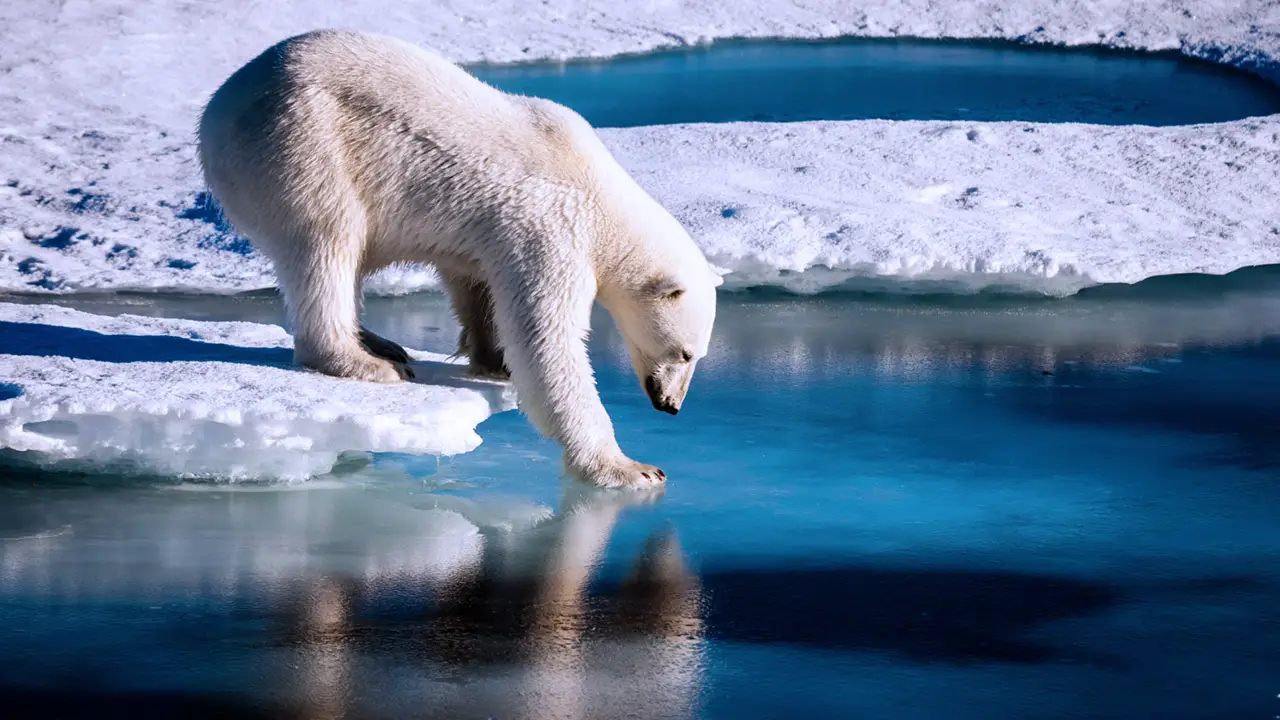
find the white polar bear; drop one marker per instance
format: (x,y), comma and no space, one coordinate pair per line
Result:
(340,153)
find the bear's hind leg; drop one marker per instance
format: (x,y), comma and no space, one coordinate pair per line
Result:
(321,288)
(378,345)
(478,340)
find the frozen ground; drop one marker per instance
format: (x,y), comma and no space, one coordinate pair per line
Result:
(210,399)
(100,189)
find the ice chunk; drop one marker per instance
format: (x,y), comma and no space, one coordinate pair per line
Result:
(211,399)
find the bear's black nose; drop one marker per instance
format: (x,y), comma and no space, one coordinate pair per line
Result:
(655,397)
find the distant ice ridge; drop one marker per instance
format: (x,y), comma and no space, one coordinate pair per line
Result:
(216,400)
(100,189)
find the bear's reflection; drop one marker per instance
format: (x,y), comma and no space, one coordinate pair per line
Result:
(521,634)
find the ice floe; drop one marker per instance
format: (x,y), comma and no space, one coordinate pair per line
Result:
(217,400)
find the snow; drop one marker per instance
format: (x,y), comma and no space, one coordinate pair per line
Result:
(958,206)
(217,400)
(100,189)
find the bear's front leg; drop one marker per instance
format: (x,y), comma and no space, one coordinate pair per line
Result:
(617,472)
(544,332)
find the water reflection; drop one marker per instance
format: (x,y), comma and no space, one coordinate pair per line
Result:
(582,650)
(815,339)
(891,336)
(321,619)
(372,606)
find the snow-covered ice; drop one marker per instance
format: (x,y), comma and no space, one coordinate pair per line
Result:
(100,189)
(211,399)
(957,206)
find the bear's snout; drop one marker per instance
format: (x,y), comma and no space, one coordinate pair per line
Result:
(652,389)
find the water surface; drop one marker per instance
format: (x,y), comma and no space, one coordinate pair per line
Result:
(879,508)
(858,79)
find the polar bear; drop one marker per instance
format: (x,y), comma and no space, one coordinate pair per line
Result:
(339,153)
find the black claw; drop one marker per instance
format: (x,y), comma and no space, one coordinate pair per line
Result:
(383,348)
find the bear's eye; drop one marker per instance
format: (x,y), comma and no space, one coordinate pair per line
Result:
(663,288)
(686,356)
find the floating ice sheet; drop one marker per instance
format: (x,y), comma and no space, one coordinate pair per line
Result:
(211,399)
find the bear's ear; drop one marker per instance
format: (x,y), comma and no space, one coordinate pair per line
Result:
(663,287)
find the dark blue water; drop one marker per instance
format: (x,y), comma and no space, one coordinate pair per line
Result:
(856,79)
(877,509)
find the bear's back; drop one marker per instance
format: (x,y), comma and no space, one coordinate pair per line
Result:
(373,95)
(373,78)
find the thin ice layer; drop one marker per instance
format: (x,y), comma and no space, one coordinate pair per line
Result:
(211,399)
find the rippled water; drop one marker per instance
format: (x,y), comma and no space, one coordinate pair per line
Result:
(877,508)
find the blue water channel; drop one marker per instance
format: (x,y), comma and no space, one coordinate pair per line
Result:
(857,79)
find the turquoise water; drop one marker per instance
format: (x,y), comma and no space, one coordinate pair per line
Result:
(856,79)
(878,508)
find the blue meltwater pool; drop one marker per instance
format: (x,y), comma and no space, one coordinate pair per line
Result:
(860,79)
(877,508)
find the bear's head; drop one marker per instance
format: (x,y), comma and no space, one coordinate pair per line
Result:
(652,278)
(666,320)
